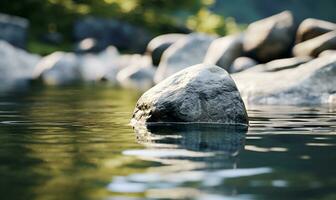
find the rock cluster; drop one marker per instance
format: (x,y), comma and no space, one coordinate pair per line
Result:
(276,60)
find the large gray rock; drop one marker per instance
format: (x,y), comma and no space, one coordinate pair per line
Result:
(241,64)
(270,38)
(112,32)
(310,83)
(188,51)
(223,51)
(14,30)
(201,93)
(159,44)
(15,64)
(315,46)
(311,28)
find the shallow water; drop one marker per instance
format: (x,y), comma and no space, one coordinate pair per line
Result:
(75,143)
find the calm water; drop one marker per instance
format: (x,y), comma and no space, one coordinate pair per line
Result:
(75,143)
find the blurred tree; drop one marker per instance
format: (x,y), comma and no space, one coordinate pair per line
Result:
(159,16)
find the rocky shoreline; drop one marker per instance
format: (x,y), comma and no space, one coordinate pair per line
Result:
(275,61)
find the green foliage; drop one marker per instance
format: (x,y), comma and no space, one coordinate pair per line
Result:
(158,16)
(43,49)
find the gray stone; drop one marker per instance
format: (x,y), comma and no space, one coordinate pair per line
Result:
(15,64)
(61,68)
(285,63)
(311,28)
(223,51)
(241,64)
(14,30)
(270,38)
(135,77)
(309,83)
(159,44)
(202,93)
(188,51)
(58,68)
(91,68)
(315,46)
(125,61)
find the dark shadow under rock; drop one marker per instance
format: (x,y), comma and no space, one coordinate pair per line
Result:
(193,136)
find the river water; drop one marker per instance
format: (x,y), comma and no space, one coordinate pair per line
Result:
(76,143)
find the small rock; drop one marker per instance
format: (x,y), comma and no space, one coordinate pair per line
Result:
(203,93)
(135,77)
(270,38)
(223,51)
(125,61)
(195,137)
(89,45)
(315,46)
(309,83)
(58,68)
(188,51)
(241,64)
(91,68)
(15,64)
(311,28)
(159,44)
(14,30)
(285,63)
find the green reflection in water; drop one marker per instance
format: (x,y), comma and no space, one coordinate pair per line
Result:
(75,143)
(65,143)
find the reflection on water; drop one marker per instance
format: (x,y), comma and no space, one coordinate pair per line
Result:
(75,143)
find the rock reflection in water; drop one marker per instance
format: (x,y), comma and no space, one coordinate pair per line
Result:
(201,154)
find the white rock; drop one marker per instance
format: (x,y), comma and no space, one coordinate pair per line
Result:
(15,64)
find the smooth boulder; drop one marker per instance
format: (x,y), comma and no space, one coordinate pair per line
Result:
(285,63)
(14,30)
(188,51)
(310,83)
(202,93)
(223,51)
(15,64)
(159,44)
(311,28)
(270,38)
(58,68)
(135,77)
(241,64)
(315,46)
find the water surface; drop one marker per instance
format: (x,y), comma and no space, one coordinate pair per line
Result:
(75,143)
